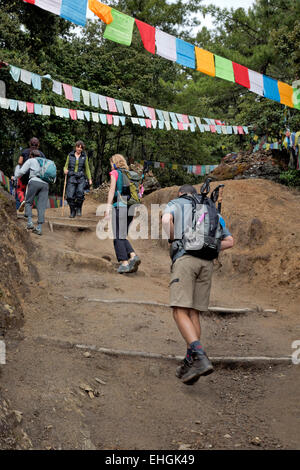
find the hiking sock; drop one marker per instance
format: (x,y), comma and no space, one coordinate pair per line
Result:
(188,356)
(196,348)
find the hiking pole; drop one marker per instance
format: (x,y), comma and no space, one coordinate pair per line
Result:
(205,188)
(63,198)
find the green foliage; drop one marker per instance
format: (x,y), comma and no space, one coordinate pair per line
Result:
(290,178)
(265,38)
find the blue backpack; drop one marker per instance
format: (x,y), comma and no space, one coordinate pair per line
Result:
(47,171)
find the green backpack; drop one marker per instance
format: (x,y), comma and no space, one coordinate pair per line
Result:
(130,187)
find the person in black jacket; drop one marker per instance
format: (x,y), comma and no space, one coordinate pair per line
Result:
(77,168)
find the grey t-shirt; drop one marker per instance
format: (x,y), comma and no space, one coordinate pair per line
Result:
(181,210)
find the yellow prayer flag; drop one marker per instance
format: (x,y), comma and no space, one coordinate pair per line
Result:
(267,146)
(286,94)
(205,62)
(174,166)
(255,138)
(101,10)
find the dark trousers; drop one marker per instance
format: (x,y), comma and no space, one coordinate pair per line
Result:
(120,224)
(75,191)
(40,190)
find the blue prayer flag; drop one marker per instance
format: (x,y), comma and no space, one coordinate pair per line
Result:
(271,89)
(185,53)
(74,11)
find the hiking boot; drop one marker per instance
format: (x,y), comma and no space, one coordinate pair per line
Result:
(134,264)
(22,207)
(30,226)
(78,212)
(72,213)
(37,231)
(123,268)
(183,369)
(201,366)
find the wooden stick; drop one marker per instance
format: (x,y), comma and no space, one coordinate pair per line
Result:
(63,198)
(242,360)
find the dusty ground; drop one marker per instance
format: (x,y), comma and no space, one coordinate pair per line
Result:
(78,398)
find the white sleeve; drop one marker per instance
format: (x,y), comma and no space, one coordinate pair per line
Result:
(24,168)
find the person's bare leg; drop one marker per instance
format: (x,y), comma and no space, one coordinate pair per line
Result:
(195,318)
(185,324)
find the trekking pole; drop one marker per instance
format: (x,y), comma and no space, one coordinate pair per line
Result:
(220,198)
(63,198)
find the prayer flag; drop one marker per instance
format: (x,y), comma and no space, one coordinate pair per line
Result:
(286,94)
(205,62)
(73,114)
(241,75)
(74,11)
(54,6)
(166,116)
(30,107)
(148,123)
(127,108)
(109,119)
(102,11)
(139,110)
(13,104)
(256,82)
(103,103)
(26,77)
(271,88)
(95,117)
(86,97)
(224,68)
(185,53)
(68,92)
(111,105)
(57,87)
(94,99)
(120,30)
(135,120)
(21,106)
(87,115)
(37,109)
(103,118)
(154,123)
(80,114)
(165,45)
(15,72)
(120,106)
(46,110)
(76,93)
(116,120)
(147,33)
(36,81)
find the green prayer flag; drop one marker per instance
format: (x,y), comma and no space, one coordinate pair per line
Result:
(224,68)
(120,29)
(296,98)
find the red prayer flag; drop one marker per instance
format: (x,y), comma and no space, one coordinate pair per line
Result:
(241,75)
(30,1)
(148,123)
(180,126)
(147,33)
(162,165)
(212,128)
(240,130)
(111,105)
(30,107)
(73,114)
(109,118)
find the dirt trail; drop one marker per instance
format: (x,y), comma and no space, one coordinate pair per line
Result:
(73,398)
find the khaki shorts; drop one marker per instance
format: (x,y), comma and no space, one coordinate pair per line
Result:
(191,282)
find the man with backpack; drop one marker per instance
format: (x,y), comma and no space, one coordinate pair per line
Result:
(41,172)
(197,234)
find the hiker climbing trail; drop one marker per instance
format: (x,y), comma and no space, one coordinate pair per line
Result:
(68,386)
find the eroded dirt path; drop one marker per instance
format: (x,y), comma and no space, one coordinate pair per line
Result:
(73,398)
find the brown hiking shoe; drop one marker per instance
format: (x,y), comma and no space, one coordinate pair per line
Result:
(201,366)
